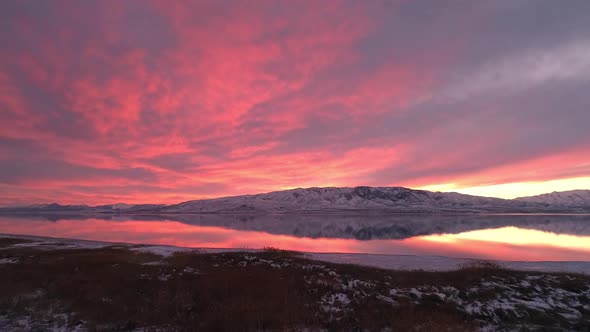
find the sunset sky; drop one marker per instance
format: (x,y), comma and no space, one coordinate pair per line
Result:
(164,101)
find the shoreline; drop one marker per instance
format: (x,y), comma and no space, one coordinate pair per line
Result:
(433,263)
(76,285)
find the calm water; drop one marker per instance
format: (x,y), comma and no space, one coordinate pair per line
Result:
(505,237)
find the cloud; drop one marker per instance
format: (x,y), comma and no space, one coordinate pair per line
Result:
(38,171)
(524,71)
(178,162)
(156,101)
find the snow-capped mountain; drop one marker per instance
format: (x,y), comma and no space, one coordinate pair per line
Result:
(396,199)
(330,199)
(572,198)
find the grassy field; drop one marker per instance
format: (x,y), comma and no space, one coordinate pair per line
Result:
(124,288)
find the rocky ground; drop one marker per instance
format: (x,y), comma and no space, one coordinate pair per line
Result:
(60,286)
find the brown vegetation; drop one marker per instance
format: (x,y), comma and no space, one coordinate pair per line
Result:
(117,288)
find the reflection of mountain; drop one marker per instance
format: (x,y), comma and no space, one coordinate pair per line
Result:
(365,199)
(366,227)
(362,213)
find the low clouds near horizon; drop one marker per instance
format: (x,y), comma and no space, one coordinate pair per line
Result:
(158,101)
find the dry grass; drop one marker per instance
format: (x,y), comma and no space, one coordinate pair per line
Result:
(282,253)
(118,289)
(482,265)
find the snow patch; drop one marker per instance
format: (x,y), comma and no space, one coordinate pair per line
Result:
(8,260)
(335,302)
(164,251)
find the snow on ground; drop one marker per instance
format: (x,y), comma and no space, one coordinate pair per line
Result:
(492,299)
(165,251)
(510,299)
(8,260)
(335,302)
(50,243)
(37,318)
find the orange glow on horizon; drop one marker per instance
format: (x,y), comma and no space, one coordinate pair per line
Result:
(517,237)
(516,189)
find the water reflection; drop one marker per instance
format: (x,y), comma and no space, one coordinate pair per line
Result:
(533,238)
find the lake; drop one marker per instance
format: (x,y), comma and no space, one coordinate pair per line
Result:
(498,237)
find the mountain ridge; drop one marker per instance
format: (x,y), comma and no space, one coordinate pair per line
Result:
(348,199)
(578,197)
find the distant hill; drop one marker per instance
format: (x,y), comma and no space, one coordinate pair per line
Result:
(331,199)
(359,198)
(54,207)
(572,198)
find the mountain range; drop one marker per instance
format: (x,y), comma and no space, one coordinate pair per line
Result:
(335,200)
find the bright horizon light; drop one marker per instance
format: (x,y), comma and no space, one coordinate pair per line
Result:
(517,189)
(516,236)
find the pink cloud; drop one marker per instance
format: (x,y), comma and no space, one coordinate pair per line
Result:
(199,93)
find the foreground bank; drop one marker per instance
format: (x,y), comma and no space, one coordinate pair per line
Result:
(128,287)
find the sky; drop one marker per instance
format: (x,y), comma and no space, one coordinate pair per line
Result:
(165,101)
